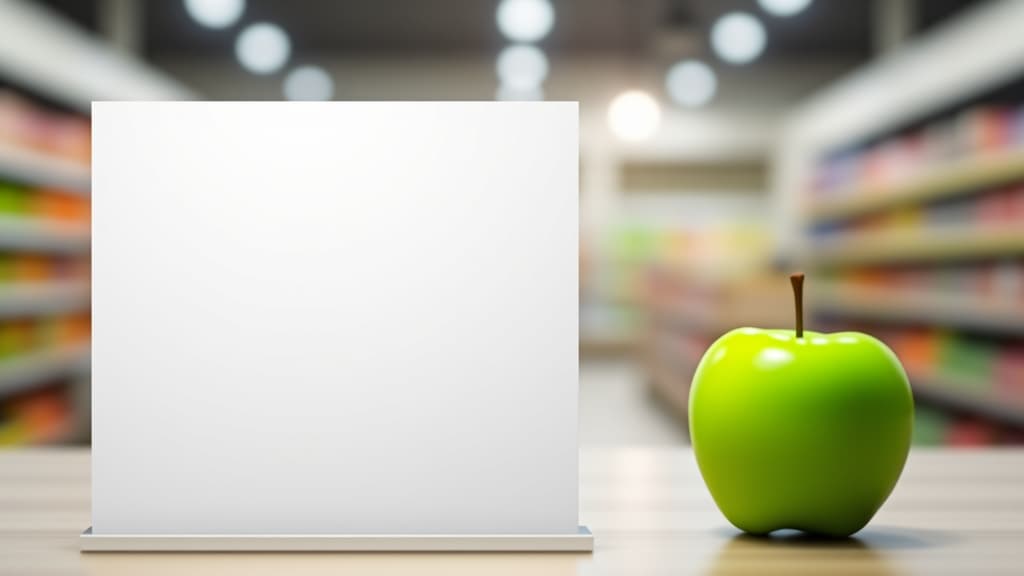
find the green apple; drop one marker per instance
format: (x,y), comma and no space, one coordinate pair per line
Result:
(800,430)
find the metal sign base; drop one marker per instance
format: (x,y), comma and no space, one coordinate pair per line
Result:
(581,541)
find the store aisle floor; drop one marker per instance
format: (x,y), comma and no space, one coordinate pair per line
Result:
(616,407)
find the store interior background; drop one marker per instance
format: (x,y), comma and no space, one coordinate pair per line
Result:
(878,146)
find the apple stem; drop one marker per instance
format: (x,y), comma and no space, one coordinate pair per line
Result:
(798,299)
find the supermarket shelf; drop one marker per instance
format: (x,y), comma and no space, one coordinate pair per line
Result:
(26,234)
(687,322)
(699,321)
(893,247)
(47,53)
(611,346)
(957,396)
(37,169)
(37,368)
(956,179)
(671,388)
(43,298)
(669,371)
(941,309)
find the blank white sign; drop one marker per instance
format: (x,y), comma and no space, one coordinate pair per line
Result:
(335,318)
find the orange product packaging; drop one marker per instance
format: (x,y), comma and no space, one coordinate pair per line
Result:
(60,206)
(32,268)
(45,415)
(968,433)
(71,330)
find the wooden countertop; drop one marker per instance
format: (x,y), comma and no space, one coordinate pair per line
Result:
(954,512)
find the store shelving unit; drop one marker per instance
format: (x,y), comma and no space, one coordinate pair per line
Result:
(47,55)
(951,395)
(944,182)
(31,307)
(55,70)
(930,245)
(22,234)
(30,167)
(904,306)
(683,321)
(39,368)
(41,299)
(906,207)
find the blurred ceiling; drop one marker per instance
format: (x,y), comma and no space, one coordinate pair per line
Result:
(411,28)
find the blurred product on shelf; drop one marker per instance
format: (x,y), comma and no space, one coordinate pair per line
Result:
(965,137)
(686,314)
(26,126)
(999,207)
(614,293)
(20,268)
(20,337)
(44,273)
(36,417)
(917,236)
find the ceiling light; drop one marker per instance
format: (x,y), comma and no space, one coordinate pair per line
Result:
(691,83)
(522,68)
(525,20)
(308,83)
(783,7)
(215,13)
(263,48)
(738,37)
(634,115)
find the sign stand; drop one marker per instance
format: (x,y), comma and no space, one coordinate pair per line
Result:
(582,541)
(335,326)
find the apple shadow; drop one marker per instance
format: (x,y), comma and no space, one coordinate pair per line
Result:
(871,551)
(878,538)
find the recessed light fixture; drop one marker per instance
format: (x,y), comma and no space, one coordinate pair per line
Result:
(263,48)
(784,7)
(308,83)
(691,83)
(522,68)
(525,20)
(738,37)
(634,115)
(215,13)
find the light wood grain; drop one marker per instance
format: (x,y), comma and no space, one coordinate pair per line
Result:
(954,512)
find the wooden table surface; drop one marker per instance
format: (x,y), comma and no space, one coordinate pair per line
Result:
(954,512)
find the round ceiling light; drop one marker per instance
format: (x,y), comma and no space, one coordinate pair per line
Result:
(308,83)
(634,115)
(525,20)
(738,37)
(522,68)
(215,13)
(691,83)
(784,7)
(263,48)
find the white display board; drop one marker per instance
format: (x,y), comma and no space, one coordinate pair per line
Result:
(335,318)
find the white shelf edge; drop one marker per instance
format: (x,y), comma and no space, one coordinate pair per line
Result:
(939,390)
(36,368)
(37,169)
(906,306)
(19,233)
(34,299)
(961,177)
(48,53)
